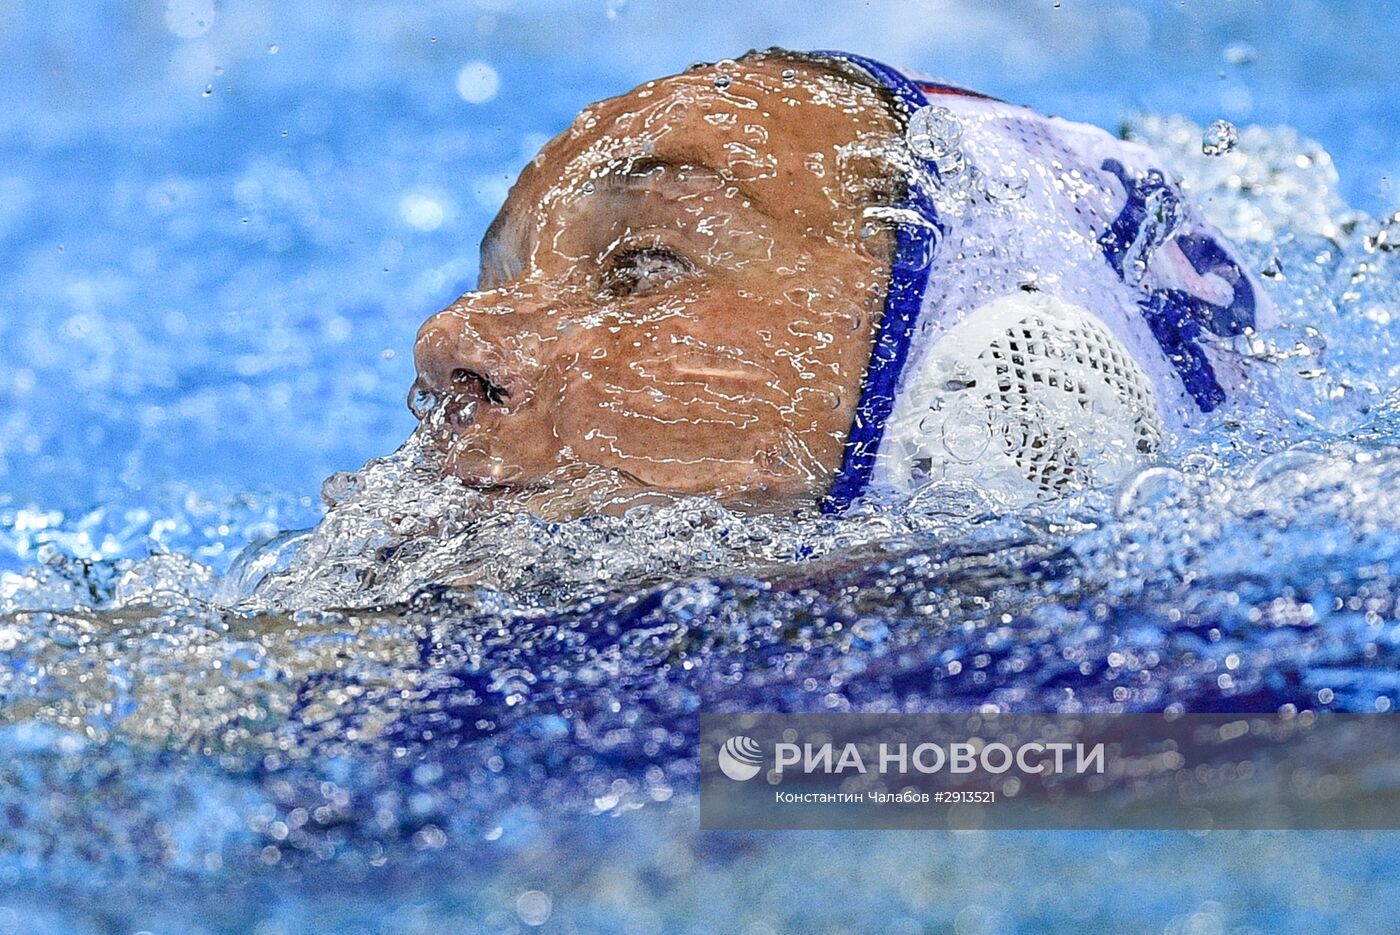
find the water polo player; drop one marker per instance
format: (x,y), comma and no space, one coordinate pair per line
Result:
(809,277)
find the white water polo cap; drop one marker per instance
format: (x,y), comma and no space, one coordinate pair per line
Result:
(1055,307)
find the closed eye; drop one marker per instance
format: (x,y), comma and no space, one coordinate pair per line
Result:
(638,270)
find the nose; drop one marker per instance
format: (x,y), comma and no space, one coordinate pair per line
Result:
(459,365)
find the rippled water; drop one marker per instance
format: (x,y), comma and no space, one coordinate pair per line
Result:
(305,737)
(164,723)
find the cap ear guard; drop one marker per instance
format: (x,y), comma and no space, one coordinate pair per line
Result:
(1028,394)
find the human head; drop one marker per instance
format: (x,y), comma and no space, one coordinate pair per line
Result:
(679,295)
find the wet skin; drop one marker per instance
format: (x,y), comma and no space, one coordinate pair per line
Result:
(678,297)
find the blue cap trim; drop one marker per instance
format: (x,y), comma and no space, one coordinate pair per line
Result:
(909,272)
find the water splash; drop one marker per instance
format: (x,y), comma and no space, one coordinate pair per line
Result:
(323,705)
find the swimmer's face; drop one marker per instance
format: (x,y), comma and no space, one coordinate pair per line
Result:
(678,297)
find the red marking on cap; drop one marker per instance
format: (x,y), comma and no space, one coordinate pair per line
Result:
(931,87)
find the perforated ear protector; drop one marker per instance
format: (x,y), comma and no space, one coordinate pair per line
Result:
(1028,394)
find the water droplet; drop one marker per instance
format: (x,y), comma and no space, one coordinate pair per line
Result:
(1387,238)
(966,431)
(533,907)
(165,580)
(589,187)
(477,82)
(208,90)
(1008,186)
(189,19)
(1240,53)
(421,401)
(1272,269)
(422,211)
(881,217)
(934,132)
(1219,138)
(1162,216)
(723,81)
(951,164)
(273,49)
(789,75)
(1153,485)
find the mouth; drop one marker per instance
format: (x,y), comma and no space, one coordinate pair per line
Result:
(480,470)
(576,477)
(488,485)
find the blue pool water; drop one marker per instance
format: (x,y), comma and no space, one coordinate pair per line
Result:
(222,229)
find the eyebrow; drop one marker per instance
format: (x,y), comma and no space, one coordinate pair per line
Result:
(636,172)
(633,169)
(629,172)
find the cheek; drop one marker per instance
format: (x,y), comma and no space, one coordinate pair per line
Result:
(672,406)
(737,389)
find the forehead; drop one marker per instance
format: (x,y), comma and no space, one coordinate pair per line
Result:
(766,123)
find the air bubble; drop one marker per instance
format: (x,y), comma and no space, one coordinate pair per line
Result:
(934,133)
(723,81)
(789,75)
(1219,138)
